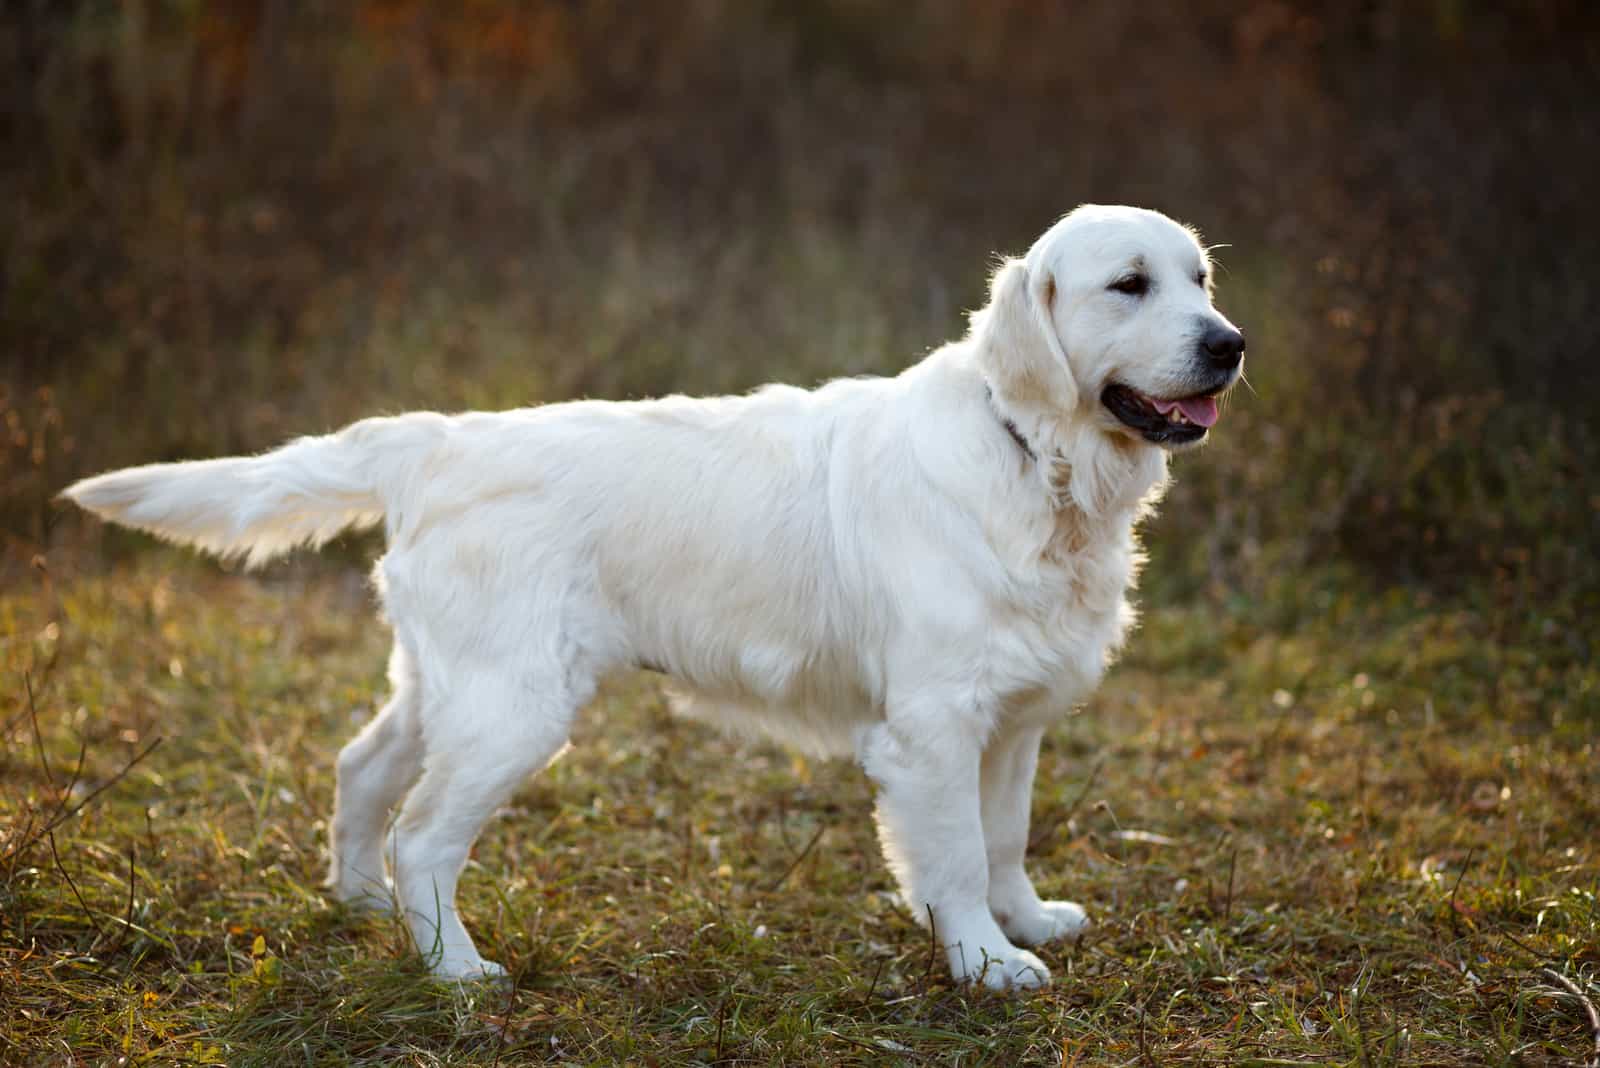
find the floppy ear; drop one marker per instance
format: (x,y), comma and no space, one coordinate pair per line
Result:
(1017,346)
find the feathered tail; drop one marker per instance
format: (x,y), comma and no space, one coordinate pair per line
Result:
(258,507)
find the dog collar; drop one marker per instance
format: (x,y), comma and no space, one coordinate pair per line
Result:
(1011,428)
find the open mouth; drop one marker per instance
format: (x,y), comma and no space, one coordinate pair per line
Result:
(1168,423)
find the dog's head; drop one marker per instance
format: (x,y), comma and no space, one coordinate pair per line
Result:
(1109,317)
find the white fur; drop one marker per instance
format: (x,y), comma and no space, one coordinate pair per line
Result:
(874,568)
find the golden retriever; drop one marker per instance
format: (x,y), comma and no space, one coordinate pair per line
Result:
(921,572)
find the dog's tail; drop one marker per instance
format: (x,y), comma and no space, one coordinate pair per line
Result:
(259,507)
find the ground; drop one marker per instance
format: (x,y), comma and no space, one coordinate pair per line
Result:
(1323,827)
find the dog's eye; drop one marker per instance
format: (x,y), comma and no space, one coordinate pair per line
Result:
(1200,279)
(1134,285)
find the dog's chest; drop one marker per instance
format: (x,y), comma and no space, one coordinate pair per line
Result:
(1053,645)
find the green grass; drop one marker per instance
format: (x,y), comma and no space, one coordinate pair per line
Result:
(1371,831)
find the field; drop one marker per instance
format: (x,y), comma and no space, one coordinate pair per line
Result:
(1338,803)
(1344,829)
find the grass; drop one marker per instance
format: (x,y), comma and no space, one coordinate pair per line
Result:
(1337,805)
(1332,827)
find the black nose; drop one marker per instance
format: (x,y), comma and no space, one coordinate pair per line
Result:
(1224,346)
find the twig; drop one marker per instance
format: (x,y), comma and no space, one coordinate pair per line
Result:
(38,738)
(23,712)
(804,853)
(31,711)
(933,942)
(77,771)
(1529,950)
(65,814)
(722,1019)
(62,868)
(1088,784)
(10,724)
(866,1002)
(1227,907)
(127,923)
(1584,1003)
(1071,810)
(1455,919)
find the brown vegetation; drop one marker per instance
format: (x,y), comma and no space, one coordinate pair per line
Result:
(1364,703)
(231,223)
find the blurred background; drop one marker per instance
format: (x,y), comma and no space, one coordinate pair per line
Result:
(228,223)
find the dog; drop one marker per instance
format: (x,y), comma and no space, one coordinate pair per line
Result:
(921,572)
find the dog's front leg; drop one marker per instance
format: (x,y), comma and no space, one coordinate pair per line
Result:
(931,826)
(1007,783)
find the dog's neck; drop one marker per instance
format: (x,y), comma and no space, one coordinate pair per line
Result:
(1009,425)
(1110,477)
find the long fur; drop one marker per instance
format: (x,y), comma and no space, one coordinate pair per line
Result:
(877,568)
(259,507)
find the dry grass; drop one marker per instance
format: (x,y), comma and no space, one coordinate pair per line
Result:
(1338,805)
(1367,838)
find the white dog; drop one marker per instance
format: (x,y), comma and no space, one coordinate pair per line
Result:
(922,572)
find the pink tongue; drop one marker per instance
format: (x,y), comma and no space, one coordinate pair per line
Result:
(1199,410)
(1202,410)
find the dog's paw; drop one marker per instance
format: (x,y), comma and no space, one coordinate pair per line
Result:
(470,970)
(979,952)
(365,895)
(1044,922)
(370,903)
(1010,969)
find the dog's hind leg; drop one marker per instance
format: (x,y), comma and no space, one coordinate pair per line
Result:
(376,768)
(1007,782)
(482,742)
